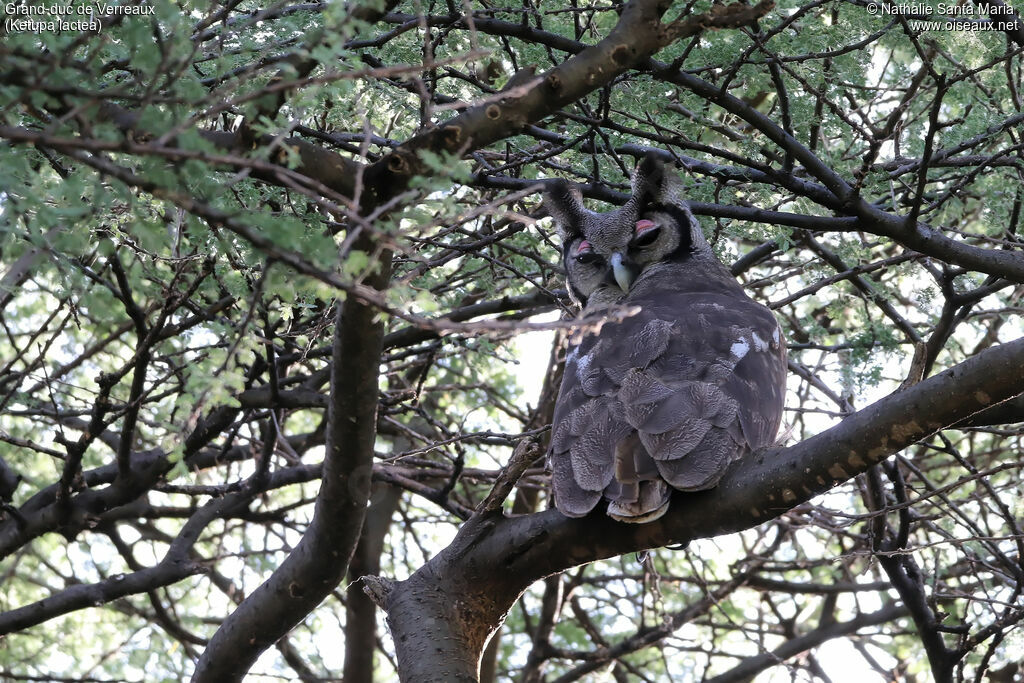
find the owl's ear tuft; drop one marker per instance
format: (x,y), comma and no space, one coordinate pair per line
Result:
(653,180)
(650,170)
(656,182)
(565,204)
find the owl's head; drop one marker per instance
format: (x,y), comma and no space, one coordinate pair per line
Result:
(604,253)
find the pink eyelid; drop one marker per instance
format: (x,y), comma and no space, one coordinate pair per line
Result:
(644,225)
(584,246)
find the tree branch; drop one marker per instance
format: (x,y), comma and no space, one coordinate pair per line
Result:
(320,561)
(175,566)
(752,666)
(638,35)
(494,559)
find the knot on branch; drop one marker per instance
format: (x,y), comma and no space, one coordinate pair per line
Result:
(622,55)
(378,589)
(452,136)
(397,163)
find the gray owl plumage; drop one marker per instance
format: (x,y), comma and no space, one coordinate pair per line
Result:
(670,397)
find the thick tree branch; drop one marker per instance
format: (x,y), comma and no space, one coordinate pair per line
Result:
(319,562)
(494,559)
(360,612)
(638,34)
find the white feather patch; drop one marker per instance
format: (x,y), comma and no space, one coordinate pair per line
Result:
(739,348)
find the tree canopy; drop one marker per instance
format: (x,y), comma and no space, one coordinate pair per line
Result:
(282,322)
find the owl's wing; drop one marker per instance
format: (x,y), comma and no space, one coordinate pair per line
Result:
(716,392)
(584,437)
(674,394)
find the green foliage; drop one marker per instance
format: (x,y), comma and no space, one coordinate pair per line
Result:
(122,188)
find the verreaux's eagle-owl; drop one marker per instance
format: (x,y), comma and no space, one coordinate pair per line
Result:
(670,397)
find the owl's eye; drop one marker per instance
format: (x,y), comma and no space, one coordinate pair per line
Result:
(588,258)
(647,232)
(585,254)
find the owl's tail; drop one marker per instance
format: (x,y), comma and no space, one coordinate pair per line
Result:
(638,493)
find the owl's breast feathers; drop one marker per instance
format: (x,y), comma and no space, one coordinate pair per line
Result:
(668,397)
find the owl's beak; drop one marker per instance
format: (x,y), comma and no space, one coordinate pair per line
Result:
(622,272)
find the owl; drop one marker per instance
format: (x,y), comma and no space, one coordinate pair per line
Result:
(669,397)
